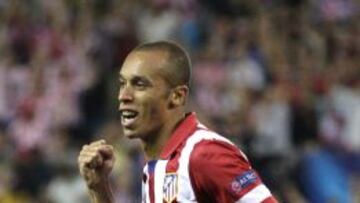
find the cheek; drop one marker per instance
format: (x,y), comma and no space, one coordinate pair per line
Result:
(156,109)
(153,103)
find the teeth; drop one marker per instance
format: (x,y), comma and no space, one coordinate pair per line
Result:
(128,117)
(128,113)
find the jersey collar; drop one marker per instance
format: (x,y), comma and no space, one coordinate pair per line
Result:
(181,133)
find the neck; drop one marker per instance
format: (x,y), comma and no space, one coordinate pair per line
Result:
(153,147)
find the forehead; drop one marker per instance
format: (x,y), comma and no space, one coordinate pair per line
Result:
(148,64)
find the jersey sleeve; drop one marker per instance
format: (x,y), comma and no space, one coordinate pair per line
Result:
(219,172)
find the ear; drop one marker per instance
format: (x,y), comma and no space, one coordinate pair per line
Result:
(178,96)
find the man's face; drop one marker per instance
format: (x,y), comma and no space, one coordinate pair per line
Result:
(143,94)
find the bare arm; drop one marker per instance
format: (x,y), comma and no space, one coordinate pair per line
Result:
(101,195)
(96,161)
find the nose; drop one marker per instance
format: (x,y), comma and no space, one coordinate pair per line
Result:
(125,95)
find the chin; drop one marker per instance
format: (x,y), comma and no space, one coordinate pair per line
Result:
(130,134)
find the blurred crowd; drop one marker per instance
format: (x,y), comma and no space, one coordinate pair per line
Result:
(280,78)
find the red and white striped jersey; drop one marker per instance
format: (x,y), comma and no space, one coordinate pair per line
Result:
(198,165)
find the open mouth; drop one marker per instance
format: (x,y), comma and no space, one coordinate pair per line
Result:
(128,117)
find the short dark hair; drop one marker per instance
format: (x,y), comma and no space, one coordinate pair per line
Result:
(178,70)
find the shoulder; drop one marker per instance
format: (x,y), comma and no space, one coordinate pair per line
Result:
(216,153)
(213,150)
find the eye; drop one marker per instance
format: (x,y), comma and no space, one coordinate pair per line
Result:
(141,83)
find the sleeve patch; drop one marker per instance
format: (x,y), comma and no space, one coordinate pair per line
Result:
(244,180)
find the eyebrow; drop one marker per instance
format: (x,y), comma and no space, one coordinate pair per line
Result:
(142,78)
(136,77)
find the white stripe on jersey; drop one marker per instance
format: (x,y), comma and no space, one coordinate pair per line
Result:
(159,177)
(257,194)
(186,192)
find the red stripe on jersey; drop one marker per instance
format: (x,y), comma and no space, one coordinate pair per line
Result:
(173,164)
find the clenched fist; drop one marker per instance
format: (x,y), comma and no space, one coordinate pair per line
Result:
(96,161)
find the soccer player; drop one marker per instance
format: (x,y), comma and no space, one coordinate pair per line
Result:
(186,161)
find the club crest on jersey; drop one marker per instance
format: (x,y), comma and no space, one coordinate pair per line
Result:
(170,187)
(243,180)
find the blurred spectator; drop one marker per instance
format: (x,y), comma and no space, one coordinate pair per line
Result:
(67,182)
(157,21)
